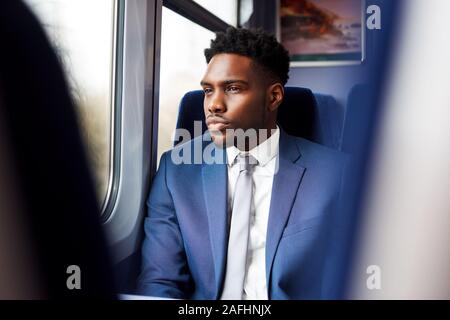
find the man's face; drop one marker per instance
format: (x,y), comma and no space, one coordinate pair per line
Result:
(235,96)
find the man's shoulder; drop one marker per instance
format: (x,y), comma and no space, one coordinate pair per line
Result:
(324,163)
(316,153)
(193,153)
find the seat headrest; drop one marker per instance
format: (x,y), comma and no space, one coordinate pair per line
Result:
(299,115)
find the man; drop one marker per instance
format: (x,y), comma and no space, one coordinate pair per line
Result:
(256,225)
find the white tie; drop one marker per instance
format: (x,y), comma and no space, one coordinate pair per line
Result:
(239,231)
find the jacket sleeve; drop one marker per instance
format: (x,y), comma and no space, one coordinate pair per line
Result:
(164,271)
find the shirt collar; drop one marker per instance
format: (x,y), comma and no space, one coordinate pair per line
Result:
(264,152)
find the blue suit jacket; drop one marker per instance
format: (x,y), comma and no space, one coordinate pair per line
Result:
(186,232)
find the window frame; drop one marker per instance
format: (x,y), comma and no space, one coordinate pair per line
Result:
(197,14)
(108,203)
(135,122)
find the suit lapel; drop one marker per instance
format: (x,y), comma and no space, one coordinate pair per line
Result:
(284,190)
(215,191)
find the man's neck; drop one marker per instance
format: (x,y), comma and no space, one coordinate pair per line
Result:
(262,135)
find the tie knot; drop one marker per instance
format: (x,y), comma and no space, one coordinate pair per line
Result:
(246,162)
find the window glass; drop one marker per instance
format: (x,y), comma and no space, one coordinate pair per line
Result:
(225,10)
(182,67)
(82,33)
(245,11)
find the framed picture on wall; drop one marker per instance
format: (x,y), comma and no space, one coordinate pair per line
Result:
(322,32)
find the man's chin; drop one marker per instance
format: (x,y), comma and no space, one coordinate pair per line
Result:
(220,139)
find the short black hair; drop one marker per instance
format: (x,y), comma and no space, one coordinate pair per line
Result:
(256,44)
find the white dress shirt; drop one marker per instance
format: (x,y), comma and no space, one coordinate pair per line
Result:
(266,153)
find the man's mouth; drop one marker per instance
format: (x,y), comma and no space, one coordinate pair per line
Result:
(217,124)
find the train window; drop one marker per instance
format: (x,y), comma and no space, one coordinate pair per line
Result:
(182,66)
(245,11)
(82,33)
(225,10)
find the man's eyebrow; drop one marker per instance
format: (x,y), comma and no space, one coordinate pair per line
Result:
(226,82)
(235,81)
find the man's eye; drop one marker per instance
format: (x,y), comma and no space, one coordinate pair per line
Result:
(207,90)
(234,89)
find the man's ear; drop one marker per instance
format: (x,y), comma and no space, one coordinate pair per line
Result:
(275,96)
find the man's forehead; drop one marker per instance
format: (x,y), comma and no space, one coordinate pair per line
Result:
(226,66)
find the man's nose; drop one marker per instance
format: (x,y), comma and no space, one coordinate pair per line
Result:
(216,104)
